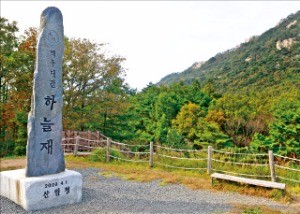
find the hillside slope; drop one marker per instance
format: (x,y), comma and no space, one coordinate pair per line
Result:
(271,59)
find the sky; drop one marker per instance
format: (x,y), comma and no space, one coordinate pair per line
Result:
(157,38)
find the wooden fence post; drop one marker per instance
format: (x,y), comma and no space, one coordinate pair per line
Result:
(89,138)
(68,136)
(107,150)
(151,155)
(74,137)
(98,138)
(209,159)
(76,146)
(272,166)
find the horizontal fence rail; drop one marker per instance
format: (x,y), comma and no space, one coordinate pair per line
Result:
(179,158)
(238,153)
(264,166)
(240,163)
(179,150)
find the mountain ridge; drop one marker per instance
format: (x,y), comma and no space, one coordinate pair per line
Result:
(265,60)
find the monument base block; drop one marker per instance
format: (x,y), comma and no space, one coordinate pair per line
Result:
(34,193)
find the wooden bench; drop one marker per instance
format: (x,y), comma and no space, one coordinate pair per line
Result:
(262,183)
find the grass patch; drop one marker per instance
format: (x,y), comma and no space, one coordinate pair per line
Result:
(97,155)
(274,194)
(11,163)
(294,190)
(12,157)
(142,172)
(107,174)
(244,209)
(255,210)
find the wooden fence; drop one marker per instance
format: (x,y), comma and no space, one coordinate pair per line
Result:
(209,159)
(74,141)
(83,143)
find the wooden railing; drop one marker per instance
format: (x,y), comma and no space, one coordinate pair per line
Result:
(74,141)
(210,160)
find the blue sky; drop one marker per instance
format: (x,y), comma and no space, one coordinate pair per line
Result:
(158,37)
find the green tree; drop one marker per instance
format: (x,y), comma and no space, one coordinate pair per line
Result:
(17,66)
(174,139)
(94,88)
(210,134)
(241,116)
(186,121)
(284,134)
(143,116)
(21,89)
(9,44)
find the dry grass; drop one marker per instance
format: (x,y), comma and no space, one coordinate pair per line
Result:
(12,163)
(142,173)
(274,194)
(192,180)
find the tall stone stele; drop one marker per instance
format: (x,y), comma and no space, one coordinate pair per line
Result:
(45,182)
(44,150)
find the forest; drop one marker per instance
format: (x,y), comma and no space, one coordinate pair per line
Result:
(254,105)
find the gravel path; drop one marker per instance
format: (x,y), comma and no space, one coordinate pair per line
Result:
(114,195)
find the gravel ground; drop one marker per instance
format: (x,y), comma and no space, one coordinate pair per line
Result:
(114,195)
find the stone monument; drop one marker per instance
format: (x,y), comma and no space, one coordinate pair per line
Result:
(44,151)
(45,182)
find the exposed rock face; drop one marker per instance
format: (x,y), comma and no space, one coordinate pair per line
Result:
(197,65)
(291,24)
(44,151)
(287,43)
(248,59)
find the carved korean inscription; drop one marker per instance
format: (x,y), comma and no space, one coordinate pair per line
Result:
(56,189)
(44,151)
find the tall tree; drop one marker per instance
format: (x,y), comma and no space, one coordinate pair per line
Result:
(17,65)
(186,121)
(21,88)
(8,46)
(284,133)
(94,88)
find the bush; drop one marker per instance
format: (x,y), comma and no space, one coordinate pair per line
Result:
(20,150)
(97,155)
(7,148)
